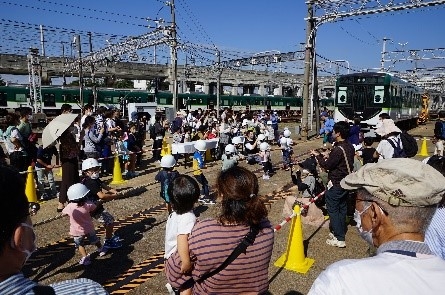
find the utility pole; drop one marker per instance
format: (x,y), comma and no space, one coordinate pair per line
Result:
(64,63)
(218,83)
(42,40)
(93,74)
(382,61)
(307,69)
(174,58)
(79,52)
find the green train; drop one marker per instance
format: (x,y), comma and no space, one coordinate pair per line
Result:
(16,96)
(366,95)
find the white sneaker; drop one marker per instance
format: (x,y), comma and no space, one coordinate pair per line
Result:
(170,289)
(85,260)
(103,251)
(336,243)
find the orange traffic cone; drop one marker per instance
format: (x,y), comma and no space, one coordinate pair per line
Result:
(117,173)
(423,149)
(30,189)
(294,258)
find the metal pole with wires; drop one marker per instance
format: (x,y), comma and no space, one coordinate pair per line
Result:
(218,82)
(174,57)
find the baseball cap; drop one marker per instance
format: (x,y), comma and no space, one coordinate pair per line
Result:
(399,182)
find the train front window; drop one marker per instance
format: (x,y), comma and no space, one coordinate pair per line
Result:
(3,99)
(342,96)
(379,92)
(49,100)
(20,97)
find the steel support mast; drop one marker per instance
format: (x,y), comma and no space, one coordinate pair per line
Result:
(35,81)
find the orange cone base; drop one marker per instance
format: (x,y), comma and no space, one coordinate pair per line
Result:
(300,267)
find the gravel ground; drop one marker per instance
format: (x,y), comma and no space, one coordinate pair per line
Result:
(144,235)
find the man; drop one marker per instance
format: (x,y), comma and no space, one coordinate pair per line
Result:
(396,199)
(439,134)
(339,163)
(159,133)
(17,242)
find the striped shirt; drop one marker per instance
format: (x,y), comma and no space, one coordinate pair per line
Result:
(19,285)
(210,244)
(435,234)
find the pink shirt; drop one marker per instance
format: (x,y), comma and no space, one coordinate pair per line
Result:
(81,222)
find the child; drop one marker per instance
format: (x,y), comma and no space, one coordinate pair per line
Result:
(265,159)
(198,165)
(230,157)
(165,177)
(286,149)
(367,152)
(134,148)
(184,193)
(81,224)
(121,147)
(45,168)
(270,132)
(100,192)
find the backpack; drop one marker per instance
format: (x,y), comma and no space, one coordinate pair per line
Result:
(168,179)
(398,151)
(409,144)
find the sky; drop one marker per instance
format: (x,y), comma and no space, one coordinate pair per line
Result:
(239,28)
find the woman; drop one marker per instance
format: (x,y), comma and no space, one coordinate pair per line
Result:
(69,150)
(92,141)
(213,240)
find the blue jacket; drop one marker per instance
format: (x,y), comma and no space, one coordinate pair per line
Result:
(328,126)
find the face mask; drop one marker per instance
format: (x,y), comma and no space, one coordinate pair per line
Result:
(365,235)
(28,253)
(95,175)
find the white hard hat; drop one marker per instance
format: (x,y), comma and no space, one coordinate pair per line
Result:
(283,141)
(261,137)
(89,163)
(230,149)
(264,146)
(236,140)
(201,145)
(286,133)
(77,191)
(168,161)
(269,122)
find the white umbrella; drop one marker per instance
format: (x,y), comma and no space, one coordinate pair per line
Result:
(56,127)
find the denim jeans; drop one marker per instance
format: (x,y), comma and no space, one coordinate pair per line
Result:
(336,204)
(204,183)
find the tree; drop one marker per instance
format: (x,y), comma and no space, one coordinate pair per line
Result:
(124,84)
(2,82)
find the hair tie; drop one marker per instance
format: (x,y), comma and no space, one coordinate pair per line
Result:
(252,196)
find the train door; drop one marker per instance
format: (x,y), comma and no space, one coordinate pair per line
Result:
(360,96)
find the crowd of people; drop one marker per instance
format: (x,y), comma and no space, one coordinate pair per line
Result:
(391,199)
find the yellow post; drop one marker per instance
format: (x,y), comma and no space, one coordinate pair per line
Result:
(117,173)
(169,149)
(60,172)
(164,147)
(423,149)
(208,156)
(30,189)
(294,258)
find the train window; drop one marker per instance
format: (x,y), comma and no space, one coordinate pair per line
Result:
(162,101)
(378,94)
(342,96)
(49,100)
(115,99)
(107,99)
(3,99)
(20,97)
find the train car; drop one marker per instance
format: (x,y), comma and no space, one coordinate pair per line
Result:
(366,95)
